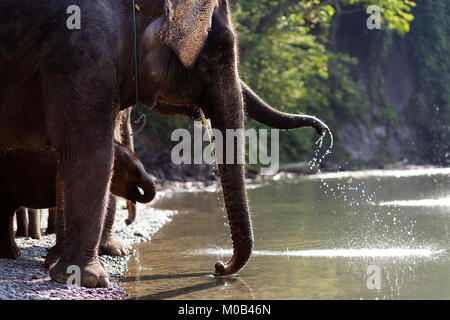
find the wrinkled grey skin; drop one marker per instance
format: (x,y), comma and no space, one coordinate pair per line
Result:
(62,90)
(51,221)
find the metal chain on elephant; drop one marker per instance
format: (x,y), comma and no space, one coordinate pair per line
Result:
(140,115)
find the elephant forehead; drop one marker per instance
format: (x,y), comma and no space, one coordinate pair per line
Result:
(190,10)
(190,18)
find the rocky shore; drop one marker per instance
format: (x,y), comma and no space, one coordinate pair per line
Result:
(27,279)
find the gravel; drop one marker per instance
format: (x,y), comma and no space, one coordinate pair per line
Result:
(27,279)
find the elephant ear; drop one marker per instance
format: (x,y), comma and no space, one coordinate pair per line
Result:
(186,27)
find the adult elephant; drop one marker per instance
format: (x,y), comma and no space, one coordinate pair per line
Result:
(29,223)
(78,80)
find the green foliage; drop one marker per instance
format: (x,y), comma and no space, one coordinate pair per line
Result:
(382,44)
(430,107)
(161,127)
(287,57)
(396,14)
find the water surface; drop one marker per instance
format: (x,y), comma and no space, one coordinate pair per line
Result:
(363,235)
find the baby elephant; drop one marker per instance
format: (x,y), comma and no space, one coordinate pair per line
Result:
(28,179)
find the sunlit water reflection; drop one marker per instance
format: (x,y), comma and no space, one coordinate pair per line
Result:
(318,237)
(366,253)
(418,203)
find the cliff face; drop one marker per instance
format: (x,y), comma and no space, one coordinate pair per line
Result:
(394,75)
(386,84)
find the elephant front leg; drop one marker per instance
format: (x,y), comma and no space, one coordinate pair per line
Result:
(22,222)
(51,221)
(108,244)
(8,246)
(56,217)
(55,252)
(87,172)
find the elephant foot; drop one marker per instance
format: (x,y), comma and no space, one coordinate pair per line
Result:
(9,250)
(111,247)
(50,230)
(35,234)
(53,256)
(90,275)
(21,233)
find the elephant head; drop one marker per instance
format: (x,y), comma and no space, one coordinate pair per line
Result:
(191,57)
(200,35)
(130,180)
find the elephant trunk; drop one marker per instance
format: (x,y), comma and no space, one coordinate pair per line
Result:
(145,192)
(228,113)
(131,206)
(238,217)
(260,111)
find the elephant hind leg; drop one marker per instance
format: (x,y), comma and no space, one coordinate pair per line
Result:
(34,225)
(8,246)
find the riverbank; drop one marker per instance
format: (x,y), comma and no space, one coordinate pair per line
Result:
(27,279)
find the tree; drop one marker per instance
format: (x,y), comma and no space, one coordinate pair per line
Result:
(288,56)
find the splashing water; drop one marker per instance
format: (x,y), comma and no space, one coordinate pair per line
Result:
(316,161)
(384,173)
(355,197)
(215,168)
(341,191)
(208,128)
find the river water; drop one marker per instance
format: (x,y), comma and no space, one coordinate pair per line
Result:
(381,234)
